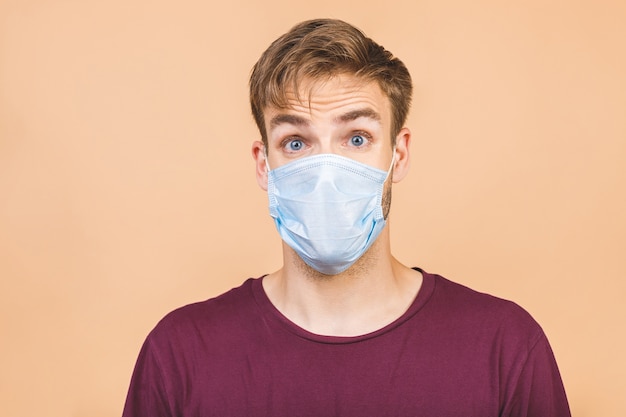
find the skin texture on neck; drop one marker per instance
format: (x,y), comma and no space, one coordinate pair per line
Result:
(371,294)
(377,289)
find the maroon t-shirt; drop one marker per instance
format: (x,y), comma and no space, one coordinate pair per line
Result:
(455,352)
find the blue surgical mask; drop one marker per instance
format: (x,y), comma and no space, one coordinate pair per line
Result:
(327,208)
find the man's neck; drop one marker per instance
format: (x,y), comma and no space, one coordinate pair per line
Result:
(372,293)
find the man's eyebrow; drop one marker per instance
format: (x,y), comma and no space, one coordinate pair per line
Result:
(291,119)
(356,114)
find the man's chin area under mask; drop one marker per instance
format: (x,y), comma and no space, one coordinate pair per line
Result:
(359,268)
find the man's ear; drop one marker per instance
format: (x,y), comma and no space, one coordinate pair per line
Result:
(402,161)
(258,153)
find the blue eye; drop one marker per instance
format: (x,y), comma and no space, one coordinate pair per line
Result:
(295,145)
(357,140)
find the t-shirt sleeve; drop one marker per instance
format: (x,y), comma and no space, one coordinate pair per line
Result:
(147,394)
(538,390)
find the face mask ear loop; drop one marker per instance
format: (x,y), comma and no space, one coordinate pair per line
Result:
(267,164)
(393,160)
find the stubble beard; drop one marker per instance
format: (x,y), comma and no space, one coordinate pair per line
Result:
(386,199)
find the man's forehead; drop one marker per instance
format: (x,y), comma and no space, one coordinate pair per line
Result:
(348,96)
(277,118)
(305,89)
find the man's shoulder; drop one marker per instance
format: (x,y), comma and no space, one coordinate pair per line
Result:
(232,308)
(463,297)
(481,309)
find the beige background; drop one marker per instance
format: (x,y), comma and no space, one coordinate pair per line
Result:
(127,187)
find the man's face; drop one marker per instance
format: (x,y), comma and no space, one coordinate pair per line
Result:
(344,115)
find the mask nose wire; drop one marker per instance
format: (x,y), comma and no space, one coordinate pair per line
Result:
(393,160)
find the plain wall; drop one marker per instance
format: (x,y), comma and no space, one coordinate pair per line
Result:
(127,188)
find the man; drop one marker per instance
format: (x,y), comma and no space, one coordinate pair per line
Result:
(343,328)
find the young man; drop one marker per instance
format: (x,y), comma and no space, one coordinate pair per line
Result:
(343,328)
